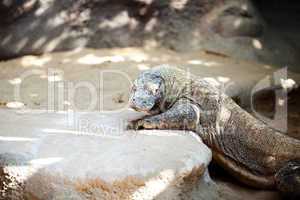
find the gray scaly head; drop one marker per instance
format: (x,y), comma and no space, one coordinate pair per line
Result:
(147,92)
(157,89)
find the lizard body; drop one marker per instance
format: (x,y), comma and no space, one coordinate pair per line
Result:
(246,147)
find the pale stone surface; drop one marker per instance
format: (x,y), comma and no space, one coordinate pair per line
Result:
(89,155)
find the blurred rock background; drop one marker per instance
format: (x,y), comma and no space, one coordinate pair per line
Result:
(261,31)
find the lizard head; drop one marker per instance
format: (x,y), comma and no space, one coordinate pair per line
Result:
(147,93)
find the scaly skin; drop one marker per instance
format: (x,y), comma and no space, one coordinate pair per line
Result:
(243,145)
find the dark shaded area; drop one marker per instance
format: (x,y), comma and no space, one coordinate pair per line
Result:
(264,103)
(11,10)
(288,179)
(231,188)
(99,24)
(276,12)
(283,16)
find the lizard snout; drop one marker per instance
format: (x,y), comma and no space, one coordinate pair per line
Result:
(142,103)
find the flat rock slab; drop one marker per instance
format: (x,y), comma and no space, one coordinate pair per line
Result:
(70,155)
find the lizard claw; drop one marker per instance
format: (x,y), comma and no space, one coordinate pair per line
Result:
(134,125)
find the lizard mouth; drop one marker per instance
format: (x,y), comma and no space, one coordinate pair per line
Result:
(154,110)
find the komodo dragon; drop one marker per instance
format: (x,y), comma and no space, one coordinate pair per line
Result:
(252,152)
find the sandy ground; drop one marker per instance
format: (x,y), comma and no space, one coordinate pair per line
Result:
(89,80)
(104,70)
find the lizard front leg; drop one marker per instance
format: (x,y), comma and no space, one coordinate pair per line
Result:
(183,115)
